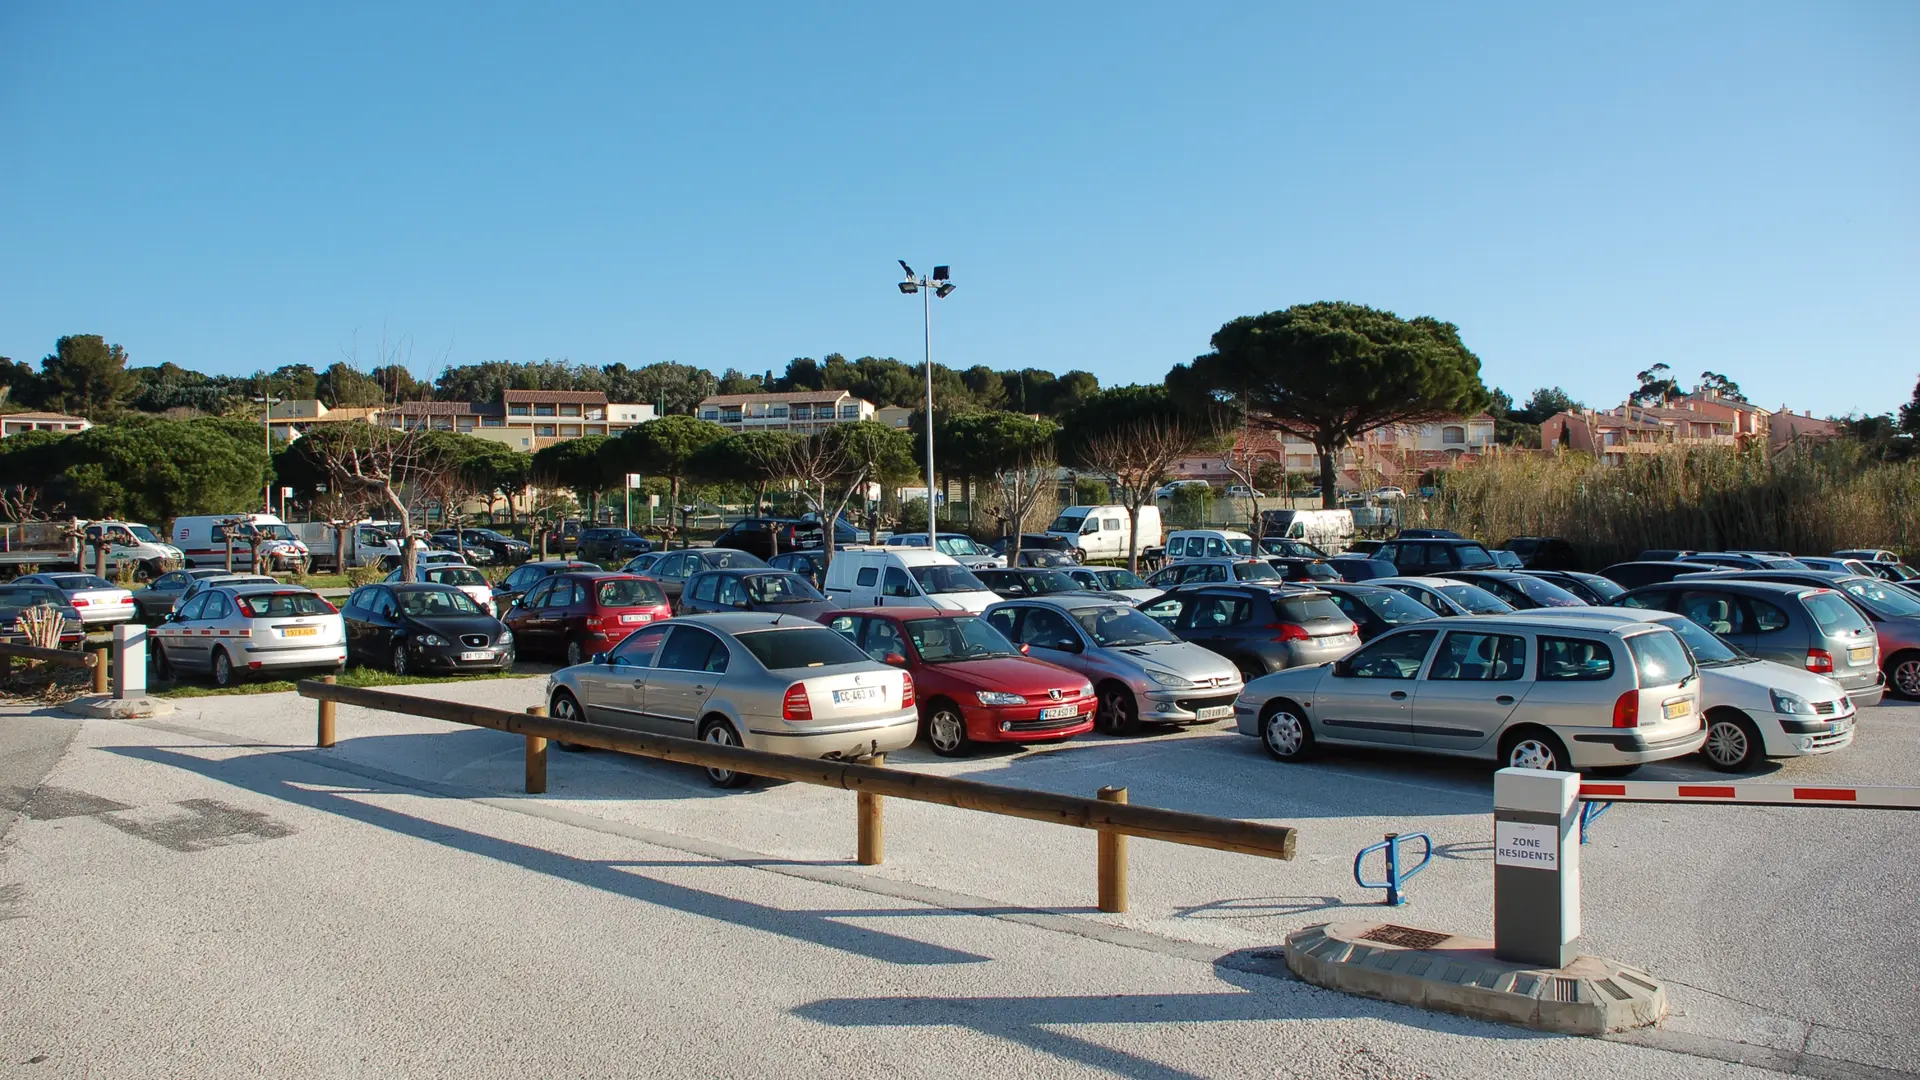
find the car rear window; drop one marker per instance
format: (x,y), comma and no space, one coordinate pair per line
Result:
(1306,609)
(800,647)
(1472,556)
(1832,614)
(1255,571)
(1660,658)
(629,592)
(457,575)
(285,605)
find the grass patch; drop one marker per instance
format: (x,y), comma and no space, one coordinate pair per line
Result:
(353,676)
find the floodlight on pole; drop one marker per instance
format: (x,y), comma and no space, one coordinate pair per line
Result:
(928,288)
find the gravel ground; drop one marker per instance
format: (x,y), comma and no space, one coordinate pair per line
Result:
(205,894)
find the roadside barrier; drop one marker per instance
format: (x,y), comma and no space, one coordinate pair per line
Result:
(1651,791)
(1110,815)
(1396,882)
(93,657)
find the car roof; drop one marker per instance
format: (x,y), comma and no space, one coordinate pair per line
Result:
(1737,584)
(735,622)
(1067,601)
(902,613)
(1527,620)
(1609,614)
(257,588)
(1417,579)
(421,586)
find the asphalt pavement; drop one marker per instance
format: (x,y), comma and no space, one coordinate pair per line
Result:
(206,894)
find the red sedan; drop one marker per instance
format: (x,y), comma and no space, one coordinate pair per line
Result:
(973,684)
(575,615)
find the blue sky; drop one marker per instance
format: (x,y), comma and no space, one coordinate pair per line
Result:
(1733,187)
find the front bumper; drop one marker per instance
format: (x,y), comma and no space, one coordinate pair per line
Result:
(450,658)
(1793,735)
(1186,706)
(881,734)
(1022,723)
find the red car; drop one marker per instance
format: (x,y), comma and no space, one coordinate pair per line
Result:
(578,614)
(973,684)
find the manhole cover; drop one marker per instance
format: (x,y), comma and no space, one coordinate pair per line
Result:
(1404,936)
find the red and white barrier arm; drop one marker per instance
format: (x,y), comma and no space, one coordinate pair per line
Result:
(1648,791)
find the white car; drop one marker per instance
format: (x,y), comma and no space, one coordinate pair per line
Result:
(457,574)
(100,602)
(1113,579)
(958,545)
(1754,708)
(1389,493)
(231,631)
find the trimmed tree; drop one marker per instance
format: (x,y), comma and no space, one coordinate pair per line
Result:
(668,447)
(1131,436)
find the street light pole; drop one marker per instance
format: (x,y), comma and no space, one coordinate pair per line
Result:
(267,402)
(928,288)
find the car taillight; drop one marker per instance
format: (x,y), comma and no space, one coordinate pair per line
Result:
(1820,661)
(1289,631)
(77,602)
(593,622)
(1626,709)
(795,705)
(906,689)
(331,610)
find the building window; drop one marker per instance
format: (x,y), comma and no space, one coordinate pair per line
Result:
(1453,434)
(544,431)
(569,431)
(776,412)
(595,412)
(517,410)
(803,412)
(493,421)
(730,416)
(465,423)
(543,410)
(444,423)
(848,412)
(569,410)
(710,414)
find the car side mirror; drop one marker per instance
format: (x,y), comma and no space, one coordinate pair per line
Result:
(1025,648)
(598,658)
(1342,668)
(895,659)
(1068,645)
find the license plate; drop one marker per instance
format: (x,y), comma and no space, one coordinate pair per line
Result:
(476,656)
(301,631)
(1677,709)
(1055,712)
(1861,654)
(630,618)
(1214,712)
(1841,725)
(858,693)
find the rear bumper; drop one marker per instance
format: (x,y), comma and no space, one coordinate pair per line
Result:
(300,657)
(1866,696)
(1593,747)
(881,734)
(107,616)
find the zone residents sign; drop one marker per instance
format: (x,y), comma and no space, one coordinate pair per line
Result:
(1519,844)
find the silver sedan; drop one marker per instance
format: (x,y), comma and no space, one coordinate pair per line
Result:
(763,681)
(230,631)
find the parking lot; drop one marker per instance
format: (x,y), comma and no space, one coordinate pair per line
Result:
(353,900)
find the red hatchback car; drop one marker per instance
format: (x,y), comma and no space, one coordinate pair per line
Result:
(578,614)
(973,684)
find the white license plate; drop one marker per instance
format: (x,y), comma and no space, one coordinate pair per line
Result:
(858,693)
(1677,709)
(301,631)
(1055,712)
(1861,654)
(476,656)
(1214,712)
(630,618)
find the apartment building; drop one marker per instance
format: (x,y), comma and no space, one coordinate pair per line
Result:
(798,410)
(15,423)
(1700,419)
(522,419)
(1394,453)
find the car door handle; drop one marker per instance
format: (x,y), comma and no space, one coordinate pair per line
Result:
(639,682)
(699,689)
(1398,695)
(1503,699)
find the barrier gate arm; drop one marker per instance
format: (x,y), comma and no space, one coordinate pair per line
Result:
(1855,797)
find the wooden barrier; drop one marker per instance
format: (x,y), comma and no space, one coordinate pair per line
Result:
(536,757)
(86,658)
(1110,815)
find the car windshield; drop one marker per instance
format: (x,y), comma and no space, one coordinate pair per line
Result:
(1119,579)
(273,532)
(286,605)
(1255,571)
(726,559)
(14,601)
(1660,658)
(1393,608)
(1042,582)
(1315,571)
(1605,588)
(1117,627)
(1473,556)
(959,545)
(935,580)
(457,575)
(143,534)
(1545,593)
(1474,598)
(963,637)
(80,581)
(800,647)
(431,602)
(1882,600)
(1707,648)
(629,592)
(780,589)
(1067,523)
(1834,615)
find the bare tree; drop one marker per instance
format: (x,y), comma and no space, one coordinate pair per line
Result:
(1019,486)
(1138,453)
(1243,463)
(377,465)
(833,464)
(21,503)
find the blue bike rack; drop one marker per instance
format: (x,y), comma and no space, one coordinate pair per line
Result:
(1589,813)
(1396,877)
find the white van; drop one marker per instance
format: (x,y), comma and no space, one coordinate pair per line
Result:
(1208,544)
(864,576)
(368,544)
(1100,532)
(127,542)
(1331,531)
(203,539)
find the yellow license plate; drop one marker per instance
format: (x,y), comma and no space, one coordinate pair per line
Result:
(1677,709)
(301,631)
(1861,654)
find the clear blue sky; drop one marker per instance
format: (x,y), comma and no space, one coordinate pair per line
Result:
(227,187)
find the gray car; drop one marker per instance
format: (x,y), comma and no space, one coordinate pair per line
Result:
(1893,611)
(1262,629)
(766,682)
(777,592)
(1446,597)
(1140,670)
(1803,626)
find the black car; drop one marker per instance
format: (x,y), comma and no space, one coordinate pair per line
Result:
(1363,547)
(1288,547)
(1542,552)
(1592,588)
(16,599)
(1423,555)
(761,536)
(811,565)
(672,570)
(1361,567)
(406,628)
(504,549)
(1029,581)
(1633,575)
(1375,610)
(1311,570)
(155,602)
(776,592)
(1521,591)
(1664,554)
(1428,534)
(1036,542)
(527,575)
(605,545)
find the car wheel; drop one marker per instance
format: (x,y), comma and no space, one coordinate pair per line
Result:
(576,653)
(564,707)
(1733,743)
(161,665)
(1285,733)
(223,675)
(1904,673)
(400,658)
(1532,748)
(1118,713)
(721,733)
(1249,670)
(947,731)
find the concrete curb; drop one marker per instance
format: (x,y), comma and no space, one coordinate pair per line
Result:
(105,707)
(1448,973)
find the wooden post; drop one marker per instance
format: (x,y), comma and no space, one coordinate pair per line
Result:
(536,757)
(324,739)
(1113,859)
(872,825)
(100,672)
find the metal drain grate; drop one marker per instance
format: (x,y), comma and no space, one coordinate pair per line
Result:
(1404,936)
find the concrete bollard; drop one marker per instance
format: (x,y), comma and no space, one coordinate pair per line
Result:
(129,661)
(536,757)
(1536,866)
(1112,867)
(324,738)
(871,823)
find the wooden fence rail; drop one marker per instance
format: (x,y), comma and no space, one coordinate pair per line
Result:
(93,657)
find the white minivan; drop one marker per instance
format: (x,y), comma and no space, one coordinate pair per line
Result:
(865,576)
(1208,544)
(204,540)
(1100,532)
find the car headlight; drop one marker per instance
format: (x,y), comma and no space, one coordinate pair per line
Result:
(432,641)
(1791,703)
(996,697)
(505,638)
(1169,679)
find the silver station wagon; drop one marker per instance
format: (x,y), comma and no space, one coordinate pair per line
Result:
(1533,692)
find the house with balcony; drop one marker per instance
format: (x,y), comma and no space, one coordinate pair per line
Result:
(797,410)
(15,423)
(522,419)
